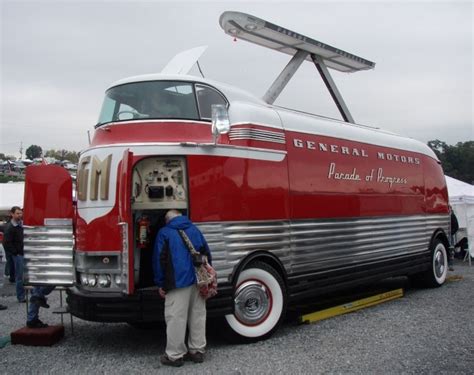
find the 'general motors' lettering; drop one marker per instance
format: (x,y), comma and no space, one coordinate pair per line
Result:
(353,151)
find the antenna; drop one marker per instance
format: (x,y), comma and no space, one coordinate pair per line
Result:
(199,67)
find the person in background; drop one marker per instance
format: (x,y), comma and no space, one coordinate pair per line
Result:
(454,229)
(13,244)
(175,276)
(10,262)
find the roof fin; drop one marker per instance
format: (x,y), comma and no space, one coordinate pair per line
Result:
(184,61)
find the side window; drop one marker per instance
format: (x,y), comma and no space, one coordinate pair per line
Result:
(206,96)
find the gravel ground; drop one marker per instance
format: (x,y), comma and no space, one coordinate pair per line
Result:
(426,331)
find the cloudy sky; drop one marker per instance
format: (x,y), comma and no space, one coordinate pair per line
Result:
(58,57)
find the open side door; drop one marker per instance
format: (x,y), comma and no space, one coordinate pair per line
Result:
(124,180)
(48,218)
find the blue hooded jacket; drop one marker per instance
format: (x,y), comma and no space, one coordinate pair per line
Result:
(172,263)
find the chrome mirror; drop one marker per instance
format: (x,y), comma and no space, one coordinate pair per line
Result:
(220,120)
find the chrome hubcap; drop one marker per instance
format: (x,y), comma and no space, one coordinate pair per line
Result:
(252,302)
(439,265)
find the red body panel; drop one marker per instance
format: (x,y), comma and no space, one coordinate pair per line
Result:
(350,179)
(101,234)
(48,194)
(301,186)
(233,189)
(153,131)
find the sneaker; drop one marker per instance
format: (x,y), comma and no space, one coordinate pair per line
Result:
(197,357)
(2,307)
(40,301)
(36,323)
(22,300)
(165,360)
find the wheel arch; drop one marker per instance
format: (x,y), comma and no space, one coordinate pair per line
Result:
(264,257)
(441,235)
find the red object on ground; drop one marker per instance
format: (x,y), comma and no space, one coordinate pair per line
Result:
(38,336)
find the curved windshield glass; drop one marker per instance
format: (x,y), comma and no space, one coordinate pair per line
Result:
(149,100)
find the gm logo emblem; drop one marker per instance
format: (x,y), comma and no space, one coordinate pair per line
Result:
(99,171)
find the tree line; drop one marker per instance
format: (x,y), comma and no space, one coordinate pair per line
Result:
(457,160)
(35,151)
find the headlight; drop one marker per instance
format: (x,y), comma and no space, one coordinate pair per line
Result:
(92,279)
(104,281)
(118,279)
(84,280)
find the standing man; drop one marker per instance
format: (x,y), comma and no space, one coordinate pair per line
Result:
(37,300)
(454,229)
(13,244)
(175,276)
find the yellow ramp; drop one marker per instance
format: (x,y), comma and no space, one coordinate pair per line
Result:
(351,306)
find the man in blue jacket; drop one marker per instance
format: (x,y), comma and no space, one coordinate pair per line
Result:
(175,276)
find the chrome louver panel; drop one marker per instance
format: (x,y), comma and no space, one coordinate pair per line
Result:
(257,135)
(231,242)
(309,245)
(336,243)
(49,254)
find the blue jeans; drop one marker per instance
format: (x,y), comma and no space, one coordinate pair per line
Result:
(19,265)
(10,266)
(33,308)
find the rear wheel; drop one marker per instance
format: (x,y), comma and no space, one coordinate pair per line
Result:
(435,276)
(259,303)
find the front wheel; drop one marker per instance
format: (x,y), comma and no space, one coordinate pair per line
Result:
(259,303)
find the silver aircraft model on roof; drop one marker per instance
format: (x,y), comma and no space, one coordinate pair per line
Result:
(324,56)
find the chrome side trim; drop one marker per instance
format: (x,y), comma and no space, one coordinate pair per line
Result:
(48,254)
(305,246)
(318,245)
(97,253)
(230,242)
(125,255)
(194,148)
(257,135)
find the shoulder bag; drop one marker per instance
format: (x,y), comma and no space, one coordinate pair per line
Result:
(206,276)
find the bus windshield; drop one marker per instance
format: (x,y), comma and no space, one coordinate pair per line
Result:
(149,100)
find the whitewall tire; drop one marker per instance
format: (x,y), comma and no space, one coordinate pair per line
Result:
(259,303)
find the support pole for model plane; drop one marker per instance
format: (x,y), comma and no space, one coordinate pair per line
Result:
(331,86)
(286,74)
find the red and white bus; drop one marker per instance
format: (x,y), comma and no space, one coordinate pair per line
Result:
(292,204)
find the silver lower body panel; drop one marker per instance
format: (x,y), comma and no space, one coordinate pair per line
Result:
(308,246)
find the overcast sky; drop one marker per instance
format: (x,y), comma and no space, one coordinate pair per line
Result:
(58,57)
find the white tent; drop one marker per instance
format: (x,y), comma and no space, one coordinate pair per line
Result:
(461,197)
(11,194)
